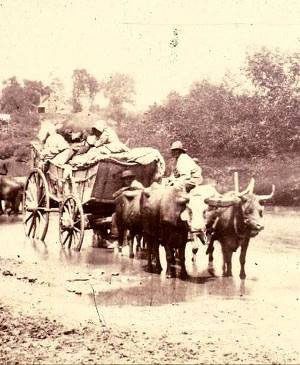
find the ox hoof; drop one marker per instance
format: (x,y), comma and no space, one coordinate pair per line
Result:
(158,270)
(243,276)
(211,271)
(184,275)
(227,275)
(149,269)
(170,275)
(131,255)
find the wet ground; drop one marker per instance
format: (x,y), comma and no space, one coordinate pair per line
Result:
(271,259)
(265,305)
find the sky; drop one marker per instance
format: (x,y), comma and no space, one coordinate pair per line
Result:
(164,45)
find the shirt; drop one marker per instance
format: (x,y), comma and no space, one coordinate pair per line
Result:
(54,144)
(107,136)
(187,167)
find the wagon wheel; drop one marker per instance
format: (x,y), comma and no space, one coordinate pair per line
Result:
(71,223)
(36,204)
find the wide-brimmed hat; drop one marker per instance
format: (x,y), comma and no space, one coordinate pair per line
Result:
(177,145)
(127,173)
(99,125)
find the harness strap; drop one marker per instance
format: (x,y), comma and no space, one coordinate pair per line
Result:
(238,233)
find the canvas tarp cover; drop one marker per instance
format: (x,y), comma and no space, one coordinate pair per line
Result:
(147,164)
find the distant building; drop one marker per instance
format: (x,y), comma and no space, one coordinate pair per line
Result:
(53,104)
(4,122)
(5,117)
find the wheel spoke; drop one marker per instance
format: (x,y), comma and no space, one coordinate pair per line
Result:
(70,240)
(68,208)
(76,233)
(32,180)
(75,213)
(30,194)
(28,218)
(67,236)
(31,225)
(42,198)
(37,223)
(76,229)
(41,216)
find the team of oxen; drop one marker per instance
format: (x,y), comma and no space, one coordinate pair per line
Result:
(170,216)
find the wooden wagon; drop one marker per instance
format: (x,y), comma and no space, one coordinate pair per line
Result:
(82,196)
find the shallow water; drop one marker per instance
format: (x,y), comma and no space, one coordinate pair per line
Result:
(272,266)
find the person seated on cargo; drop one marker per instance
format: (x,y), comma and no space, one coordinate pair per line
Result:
(186,168)
(53,145)
(77,141)
(104,136)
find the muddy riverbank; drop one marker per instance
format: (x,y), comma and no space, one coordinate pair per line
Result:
(100,307)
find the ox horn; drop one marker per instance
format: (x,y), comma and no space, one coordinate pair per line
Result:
(266,197)
(249,188)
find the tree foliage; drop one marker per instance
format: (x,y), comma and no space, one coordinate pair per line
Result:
(22,98)
(276,77)
(84,85)
(119,89)
(219,120)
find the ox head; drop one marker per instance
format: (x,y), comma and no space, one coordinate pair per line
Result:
(194,214)
(173,202)
(252,210)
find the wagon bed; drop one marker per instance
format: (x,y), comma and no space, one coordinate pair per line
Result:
(83,195)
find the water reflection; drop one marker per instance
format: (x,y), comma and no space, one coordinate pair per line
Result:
(157,290)
(40,248)
(129,283)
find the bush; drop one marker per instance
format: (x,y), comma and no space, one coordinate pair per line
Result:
(6,151)
(22,153)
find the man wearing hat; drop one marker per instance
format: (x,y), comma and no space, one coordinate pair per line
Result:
(129,180)
(186,167)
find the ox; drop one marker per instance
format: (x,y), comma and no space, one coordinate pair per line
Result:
(167,219)
(128,216)
(235,226)
(11,191)
(3,168)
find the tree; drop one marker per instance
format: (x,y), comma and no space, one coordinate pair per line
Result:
(119,89)
(276,76)
(58,95)
(84,86)
(22,98)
